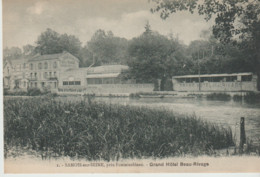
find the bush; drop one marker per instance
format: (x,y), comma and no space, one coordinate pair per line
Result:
(252,97)
(219,96)
(33,92)
(249,97)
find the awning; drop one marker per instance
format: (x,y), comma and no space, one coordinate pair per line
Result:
(112,75)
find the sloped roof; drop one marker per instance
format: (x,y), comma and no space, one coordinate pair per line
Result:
(107,69)
(109,75)
(52,56)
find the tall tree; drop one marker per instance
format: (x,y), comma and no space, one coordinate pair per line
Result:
(151,56)
(51,42)
(48,42)
(107,48)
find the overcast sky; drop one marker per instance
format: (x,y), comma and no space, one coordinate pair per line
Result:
(25,20)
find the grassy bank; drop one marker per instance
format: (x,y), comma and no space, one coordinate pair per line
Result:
(100,131)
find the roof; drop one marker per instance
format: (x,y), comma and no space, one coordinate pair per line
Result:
(52,56)
(107,69)
(76,69)
(19,61)
(103,75)
(212,75)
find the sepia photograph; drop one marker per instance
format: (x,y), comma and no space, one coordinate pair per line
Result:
(131,86)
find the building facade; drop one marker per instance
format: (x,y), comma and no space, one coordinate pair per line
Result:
(15,74)
(216,82)
(45,71)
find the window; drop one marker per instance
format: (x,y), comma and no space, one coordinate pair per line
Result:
(31,66)
(43,84)
(35,75)
(247,78)
(45,65)
(35,84)
(65,83)
(54,74)
(71,82)
(77,82)
(45,75)
(31,75)
(40,66)
(50,74)
(24,65)
(55,64)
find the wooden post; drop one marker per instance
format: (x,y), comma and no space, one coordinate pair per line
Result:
(242,134)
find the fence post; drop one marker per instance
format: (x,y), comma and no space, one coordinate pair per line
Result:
(242,134)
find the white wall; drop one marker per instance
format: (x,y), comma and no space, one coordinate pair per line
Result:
(216,86)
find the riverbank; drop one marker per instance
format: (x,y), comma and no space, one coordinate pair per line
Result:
(107,131)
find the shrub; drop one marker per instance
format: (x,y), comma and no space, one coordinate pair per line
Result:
(249,97)
(219,96)
(252,97)
(33,91)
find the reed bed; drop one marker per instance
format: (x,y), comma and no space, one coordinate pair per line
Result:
(99,131)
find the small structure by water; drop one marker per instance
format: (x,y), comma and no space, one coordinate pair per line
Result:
(216,82)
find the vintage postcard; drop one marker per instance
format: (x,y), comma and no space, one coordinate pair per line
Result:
(131,86)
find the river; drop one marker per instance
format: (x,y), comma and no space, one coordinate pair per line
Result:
(226,113)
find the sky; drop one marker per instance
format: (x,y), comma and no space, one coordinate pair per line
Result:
(25,20)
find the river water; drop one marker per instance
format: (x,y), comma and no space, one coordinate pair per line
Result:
(226,113)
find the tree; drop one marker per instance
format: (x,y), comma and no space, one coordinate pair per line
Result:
(48,42)
(70,44)
(152,56)
(12,53)
(107,48)
(51,42)
(236,22)
(28,50)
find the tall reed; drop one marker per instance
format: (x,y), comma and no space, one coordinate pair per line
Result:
(93,131)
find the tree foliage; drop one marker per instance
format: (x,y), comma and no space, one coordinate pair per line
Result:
(12,53)
(107,48)
(51,42)
(153,56)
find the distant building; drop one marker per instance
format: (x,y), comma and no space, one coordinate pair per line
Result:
(15,74)
(107,74)
(61,72)
(216,82)
(45,70)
